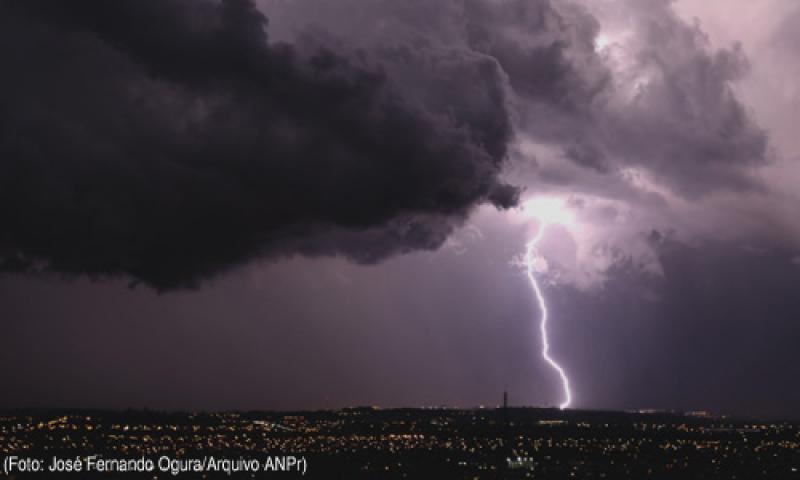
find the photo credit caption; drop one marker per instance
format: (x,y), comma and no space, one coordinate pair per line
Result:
(13,464)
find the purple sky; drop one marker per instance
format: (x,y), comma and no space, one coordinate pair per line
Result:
(333,212)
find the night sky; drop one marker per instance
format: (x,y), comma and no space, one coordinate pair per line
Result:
(288,204)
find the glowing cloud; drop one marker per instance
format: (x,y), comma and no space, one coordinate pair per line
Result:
(549,211)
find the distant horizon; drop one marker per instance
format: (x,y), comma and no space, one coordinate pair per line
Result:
(698,414)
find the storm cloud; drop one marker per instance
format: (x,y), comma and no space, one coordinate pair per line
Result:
(672,110)
(168,140)
(609,86)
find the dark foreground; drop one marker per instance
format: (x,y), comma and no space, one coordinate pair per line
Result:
(402,443)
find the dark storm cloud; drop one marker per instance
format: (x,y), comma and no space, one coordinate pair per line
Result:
(658,98)
(168,140)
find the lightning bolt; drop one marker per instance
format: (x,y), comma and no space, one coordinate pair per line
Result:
(529,258)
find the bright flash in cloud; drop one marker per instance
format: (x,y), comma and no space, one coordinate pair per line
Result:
(601,42)
(549,210)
